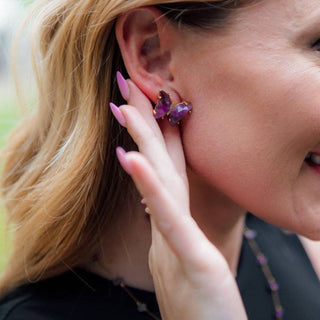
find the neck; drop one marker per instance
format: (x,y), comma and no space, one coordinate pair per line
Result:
(124,249)
(219,218)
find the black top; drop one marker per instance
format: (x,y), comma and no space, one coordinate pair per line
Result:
(299,286)
(81,295)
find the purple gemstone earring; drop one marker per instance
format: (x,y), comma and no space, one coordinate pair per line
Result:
(178,112)
(163,105)
(175,113)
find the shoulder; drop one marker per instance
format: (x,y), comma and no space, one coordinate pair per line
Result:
(74,295)
(55,298)
(13,302)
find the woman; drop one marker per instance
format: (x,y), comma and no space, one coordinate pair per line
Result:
(250,69)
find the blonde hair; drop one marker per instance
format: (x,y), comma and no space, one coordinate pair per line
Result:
(61,181)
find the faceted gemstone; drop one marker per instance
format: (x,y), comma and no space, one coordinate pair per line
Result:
(178,112)
(163,105)
(250,234)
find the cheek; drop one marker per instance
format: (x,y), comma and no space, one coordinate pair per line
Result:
(235,162)
(250,142)
(233,158)
(229,136)
(256,115)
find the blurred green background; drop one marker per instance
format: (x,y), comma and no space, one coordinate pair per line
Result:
(9,116)
(12,13)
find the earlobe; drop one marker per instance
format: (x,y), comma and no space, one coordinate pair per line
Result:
(143,37)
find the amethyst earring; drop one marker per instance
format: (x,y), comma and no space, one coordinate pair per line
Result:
(175,113)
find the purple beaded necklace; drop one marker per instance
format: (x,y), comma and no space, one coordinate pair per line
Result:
(249,235)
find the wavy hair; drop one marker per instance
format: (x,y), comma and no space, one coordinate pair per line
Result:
(61,182)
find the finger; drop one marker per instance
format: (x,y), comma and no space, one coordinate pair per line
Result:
(175,223)
(134,96)
(142,103)
(171,134)
(151,146)
(174,148)
(137,98)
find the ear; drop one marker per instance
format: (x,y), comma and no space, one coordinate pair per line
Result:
(146,39)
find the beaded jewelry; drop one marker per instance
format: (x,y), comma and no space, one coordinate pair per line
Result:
(250,236)
(141,306)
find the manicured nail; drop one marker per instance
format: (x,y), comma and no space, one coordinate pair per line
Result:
(121,154)
(117,114)
(123,86)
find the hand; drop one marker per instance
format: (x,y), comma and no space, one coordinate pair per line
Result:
(191,277)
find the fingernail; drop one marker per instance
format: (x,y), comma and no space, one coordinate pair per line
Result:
(121,155)
(123,86)
(143,201)
(117,114)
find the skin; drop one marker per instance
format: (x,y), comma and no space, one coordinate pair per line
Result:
(259,94)
(256,116)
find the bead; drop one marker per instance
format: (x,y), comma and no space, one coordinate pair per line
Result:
(178,112)
(163,105)
(142,307)
(250,234)
(279,313)
(117,281)
(273,286)
(261,259)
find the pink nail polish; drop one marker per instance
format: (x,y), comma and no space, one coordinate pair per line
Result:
(123,86)
(117,114)
(121,154)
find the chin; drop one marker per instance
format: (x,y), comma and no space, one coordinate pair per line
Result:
(293,203)
(306,203)
(299,214)
(308,224)
(303,221)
